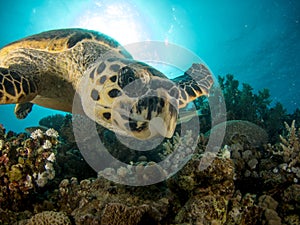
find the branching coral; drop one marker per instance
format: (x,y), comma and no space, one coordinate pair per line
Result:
(290,145)
(289,149)
(285,160)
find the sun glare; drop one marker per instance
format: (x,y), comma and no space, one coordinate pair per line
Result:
(118,19)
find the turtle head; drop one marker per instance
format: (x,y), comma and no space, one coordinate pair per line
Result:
(131,98)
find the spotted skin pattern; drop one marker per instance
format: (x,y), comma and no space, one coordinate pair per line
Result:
(116,91)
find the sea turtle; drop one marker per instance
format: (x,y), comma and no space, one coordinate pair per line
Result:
(119,93)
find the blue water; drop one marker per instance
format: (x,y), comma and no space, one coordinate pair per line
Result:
(256,40)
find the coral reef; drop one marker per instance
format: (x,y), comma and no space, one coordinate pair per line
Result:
(47,218)
(100,201)
(26,164)
(45,180)
(69,158)
(241,131)
(243,104)
(273,178)
(207,191)
(61,123)
(55,121)
(290,205)
(243,183)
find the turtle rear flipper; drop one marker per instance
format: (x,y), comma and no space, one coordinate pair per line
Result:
(195,82)
(15,88)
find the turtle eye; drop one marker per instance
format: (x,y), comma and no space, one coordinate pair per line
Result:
(126,76)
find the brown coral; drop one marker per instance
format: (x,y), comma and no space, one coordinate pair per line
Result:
(250,188)
(103,202)
(49,218)
(120,214)
(207,209)
(25,165)
(238,131)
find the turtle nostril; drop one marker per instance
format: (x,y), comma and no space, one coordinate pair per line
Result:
(130,79)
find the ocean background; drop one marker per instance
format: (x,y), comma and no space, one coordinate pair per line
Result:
(257,41)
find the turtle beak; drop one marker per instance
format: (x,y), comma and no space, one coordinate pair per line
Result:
(160,112)
(158,126)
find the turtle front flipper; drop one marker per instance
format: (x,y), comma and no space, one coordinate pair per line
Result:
(15,88)
(195,82)
(23,109)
